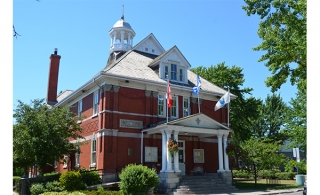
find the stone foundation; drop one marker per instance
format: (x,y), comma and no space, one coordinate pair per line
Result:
(168,181)
(226,176)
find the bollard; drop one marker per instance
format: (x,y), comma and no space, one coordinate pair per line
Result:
(23,190)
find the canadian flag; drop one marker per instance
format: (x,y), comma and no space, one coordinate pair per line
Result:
(169,97)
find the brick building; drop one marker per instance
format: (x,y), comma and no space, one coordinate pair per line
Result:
(124,116)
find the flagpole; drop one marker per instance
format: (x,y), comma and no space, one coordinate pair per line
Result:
(228,105)
(167,97)
(198,93)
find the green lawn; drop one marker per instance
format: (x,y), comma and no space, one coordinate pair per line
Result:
(264,184)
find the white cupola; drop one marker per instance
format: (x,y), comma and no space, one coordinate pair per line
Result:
(121,36)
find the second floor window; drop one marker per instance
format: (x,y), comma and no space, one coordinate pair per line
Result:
(161,105)
(186,107)
(174,107)
(174,72)
(95,102)
(80,109)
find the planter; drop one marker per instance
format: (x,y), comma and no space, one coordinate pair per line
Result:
(150,192)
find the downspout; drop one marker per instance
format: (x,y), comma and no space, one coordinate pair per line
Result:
(141,150)
(99,126)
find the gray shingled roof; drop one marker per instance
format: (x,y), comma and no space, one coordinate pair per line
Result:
(135,64)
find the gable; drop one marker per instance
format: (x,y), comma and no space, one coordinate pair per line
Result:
(149,45)
(175,56)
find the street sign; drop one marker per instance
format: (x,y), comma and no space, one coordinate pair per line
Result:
(296,154)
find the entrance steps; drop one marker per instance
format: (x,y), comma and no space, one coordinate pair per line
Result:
(202,184)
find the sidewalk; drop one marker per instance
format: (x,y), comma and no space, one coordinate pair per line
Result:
(263,192)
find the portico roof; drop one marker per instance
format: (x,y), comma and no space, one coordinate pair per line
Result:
(194,125)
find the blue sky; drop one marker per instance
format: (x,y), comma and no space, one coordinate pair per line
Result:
(207,32)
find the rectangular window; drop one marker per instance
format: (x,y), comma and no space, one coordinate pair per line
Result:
(161,105)
(166,72)
(95,102)
(77,157)
(65,161)
(180,75)
(173,72)
(80,109)
(174,107)
(186,106)
(93,150)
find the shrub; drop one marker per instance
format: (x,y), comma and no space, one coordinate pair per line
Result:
(241,174)
(54,186)
(37,188)
(72,180)
(17,183)
(90,177)
(285,175)
(137,179)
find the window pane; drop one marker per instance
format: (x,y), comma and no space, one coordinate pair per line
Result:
(173,72)
(180,75)
(166,72)
(174,107)
(160,105)
(185,107)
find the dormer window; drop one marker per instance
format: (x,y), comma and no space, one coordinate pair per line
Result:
(174,72)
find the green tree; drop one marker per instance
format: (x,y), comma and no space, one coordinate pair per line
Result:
(271,119)
(243,111)
(283,30)
(41,134)
(262,154)
(296,121)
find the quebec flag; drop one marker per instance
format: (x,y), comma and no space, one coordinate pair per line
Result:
(223,101)
(196,89)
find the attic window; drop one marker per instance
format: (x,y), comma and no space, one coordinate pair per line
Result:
(146,49)
(152,50)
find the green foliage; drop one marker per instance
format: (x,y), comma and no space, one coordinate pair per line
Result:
(54,186)
(271,119)
(72,180)
(41,133)
(37,188)
(262,152)
(137,179)
(90,177)
(296,121)
(283,30)
(285,175)
(241,174)
(64,193)
(17,183)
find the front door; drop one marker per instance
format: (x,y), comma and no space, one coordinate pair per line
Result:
(182,160)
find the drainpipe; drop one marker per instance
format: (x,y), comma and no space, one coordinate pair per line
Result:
(141,150)
(99,126)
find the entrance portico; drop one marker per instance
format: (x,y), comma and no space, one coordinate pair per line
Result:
(200,126)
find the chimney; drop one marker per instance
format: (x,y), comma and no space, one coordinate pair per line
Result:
(53,78)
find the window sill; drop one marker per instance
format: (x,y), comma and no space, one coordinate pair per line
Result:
(93,165)
(94,116)
(77,166)
(65,166)
(79,121)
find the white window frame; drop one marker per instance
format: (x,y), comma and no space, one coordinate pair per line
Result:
(65,161)
(77,157)
(93,152)
(186,108)
(179,72)
(80,110)
(174,107)
(95,107)
(164,108)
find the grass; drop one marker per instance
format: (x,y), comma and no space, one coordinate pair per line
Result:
(264,184)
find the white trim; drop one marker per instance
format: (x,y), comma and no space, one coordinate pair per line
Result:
(95,105)
(185,98)
(93,142)
(177,107)
(164,105)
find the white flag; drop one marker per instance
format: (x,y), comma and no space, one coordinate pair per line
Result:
(223,101)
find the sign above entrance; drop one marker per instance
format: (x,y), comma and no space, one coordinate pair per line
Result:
(131,124)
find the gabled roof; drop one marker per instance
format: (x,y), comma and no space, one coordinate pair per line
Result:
(197,125)
(174,48)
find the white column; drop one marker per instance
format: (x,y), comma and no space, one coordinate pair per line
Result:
(226,159)
(164,151)
(176,154)
(129,39)
(114,37)
(169,166)
(220,153)
(122,39)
